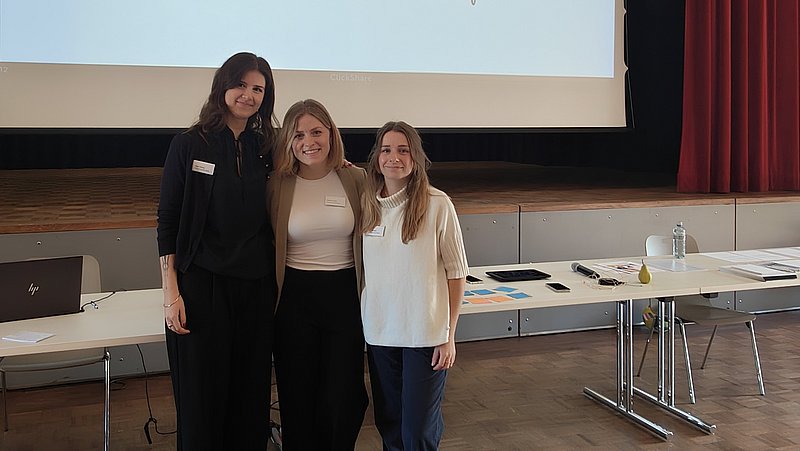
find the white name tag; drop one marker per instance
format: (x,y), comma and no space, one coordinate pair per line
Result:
(203,167)
(377,231)
(335,201)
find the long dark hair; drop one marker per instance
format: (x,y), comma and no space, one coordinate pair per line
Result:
(229,75)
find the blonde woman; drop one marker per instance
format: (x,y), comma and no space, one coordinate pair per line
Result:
(414,274)
(319,345)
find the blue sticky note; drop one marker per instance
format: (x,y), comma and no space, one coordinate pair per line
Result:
(482,292)
(468,293)
(519,295)
(505,289)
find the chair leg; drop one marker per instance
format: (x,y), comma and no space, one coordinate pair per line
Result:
(5,406)
(756,359)
(687,360)
(644,353)
(107,403)
(708,348)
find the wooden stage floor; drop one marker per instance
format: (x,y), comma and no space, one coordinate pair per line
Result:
(96,199)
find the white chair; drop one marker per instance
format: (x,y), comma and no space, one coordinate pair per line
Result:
(698,309)
(90,283)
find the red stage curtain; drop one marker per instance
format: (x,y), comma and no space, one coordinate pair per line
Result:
(741,97)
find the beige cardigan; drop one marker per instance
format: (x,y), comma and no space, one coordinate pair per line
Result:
(280,192)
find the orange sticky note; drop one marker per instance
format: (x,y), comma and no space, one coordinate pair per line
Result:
(478,301)
(500,298)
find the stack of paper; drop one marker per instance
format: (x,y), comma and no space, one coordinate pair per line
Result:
(759,272)
(785,265)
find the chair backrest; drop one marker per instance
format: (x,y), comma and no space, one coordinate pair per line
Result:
(657,245)
(662,245)
(90,278)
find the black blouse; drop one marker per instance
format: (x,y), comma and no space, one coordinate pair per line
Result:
(216,221)
(236,235)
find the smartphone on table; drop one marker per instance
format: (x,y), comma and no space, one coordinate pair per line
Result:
(557,287)
(473,280)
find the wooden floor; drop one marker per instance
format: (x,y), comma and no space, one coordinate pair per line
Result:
(523,393)
(96,199)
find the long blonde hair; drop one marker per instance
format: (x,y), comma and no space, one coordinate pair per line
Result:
(285,161)
(417,188)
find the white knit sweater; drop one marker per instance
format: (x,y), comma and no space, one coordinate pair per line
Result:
(405,301)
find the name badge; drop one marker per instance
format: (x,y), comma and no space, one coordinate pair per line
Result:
(203,167)
(335,201)
(377,231)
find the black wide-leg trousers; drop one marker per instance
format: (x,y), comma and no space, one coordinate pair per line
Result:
(319,360)
(221,370)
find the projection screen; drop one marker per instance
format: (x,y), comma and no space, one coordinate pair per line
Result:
(435,64)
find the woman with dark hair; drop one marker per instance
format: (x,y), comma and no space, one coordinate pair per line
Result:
(319,345)
(414,273)
(217,262)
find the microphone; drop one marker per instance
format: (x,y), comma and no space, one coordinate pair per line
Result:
(588,272)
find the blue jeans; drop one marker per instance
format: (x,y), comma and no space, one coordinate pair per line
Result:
(407,397)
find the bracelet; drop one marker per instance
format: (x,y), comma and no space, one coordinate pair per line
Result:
(173,302)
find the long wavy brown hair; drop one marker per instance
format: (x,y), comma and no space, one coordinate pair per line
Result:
(229,75)
(417,188)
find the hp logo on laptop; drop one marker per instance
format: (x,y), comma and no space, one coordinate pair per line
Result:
(33,288)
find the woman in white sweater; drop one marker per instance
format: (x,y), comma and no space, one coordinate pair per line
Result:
(414,272)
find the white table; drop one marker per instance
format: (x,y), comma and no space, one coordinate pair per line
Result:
(125,318)
(136,317)
(664,286)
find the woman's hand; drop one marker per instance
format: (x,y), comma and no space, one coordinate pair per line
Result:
(174,309)
(175,315)
(444,356)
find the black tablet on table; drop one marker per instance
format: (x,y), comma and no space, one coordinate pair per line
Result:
(516,275)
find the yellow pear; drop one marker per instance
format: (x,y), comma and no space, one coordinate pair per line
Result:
(644,274)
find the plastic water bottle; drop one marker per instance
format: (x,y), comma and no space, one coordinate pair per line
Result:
(679,241)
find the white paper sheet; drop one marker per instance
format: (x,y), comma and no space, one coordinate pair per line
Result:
(748,256)
(28,337)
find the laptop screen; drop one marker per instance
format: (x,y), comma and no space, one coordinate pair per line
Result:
(37,288)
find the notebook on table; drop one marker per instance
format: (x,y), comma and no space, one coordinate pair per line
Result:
(38,288)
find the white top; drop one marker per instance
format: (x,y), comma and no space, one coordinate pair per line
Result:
(320,229)
(405,301)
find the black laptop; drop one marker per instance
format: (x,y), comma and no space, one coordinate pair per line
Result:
(37,288)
